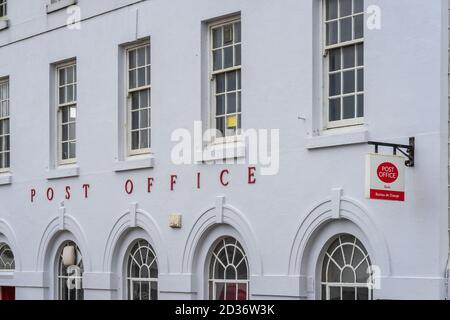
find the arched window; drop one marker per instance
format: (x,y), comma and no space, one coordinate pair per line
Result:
(142,272)
(6,258)
(228,271)
(70,272)
(346,270)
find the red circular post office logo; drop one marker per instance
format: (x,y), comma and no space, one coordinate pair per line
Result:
(387,172)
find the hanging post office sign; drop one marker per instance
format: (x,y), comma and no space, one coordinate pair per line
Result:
(385,177)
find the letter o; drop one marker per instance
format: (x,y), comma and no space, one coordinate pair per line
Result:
(129,186)
(50,194)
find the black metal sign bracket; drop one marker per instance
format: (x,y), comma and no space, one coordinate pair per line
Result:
(407,150)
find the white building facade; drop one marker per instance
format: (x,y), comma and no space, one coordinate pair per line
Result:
(110,188)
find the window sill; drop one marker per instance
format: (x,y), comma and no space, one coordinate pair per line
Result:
(338,137)
(5,178)
(223,151)
(4,23)
(63,172)
(134,164)
(52,7)
(6,274)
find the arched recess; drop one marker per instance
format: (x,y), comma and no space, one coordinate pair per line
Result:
(58,231)
(57,227)
(131,222)
(10,238)
(218,221)
(353,218)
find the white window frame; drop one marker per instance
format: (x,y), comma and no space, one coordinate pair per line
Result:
(357,121)
(128,140)
(132,281)
(356,285)
(3,266)
(8,117)
(59,107)
(213,257)
(212,82)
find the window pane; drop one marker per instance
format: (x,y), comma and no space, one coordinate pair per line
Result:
(332,9)
(348,293)
(231,81)
(220,125)
(141,77)
(7,163)
(72,150)
(217,37)
(231,103)
(65,114)
(132,59)
(349,107)
(362,294)
(65,151)
(360,54)
(70,75)
(6,146)
(239,79)
(220,105)
(335,59)
(144,139)
(349,81)
(217,57)
(239,103)
(143,99)
(228,57)
(141,57)
(135,100)
(360,106)
(65,132)
(72,114)
(335,84)
(148,74)
(349,56)
(335,110)
(220,291)
(242,291)
(154,291)
(332,33)
(346,29)
(70,93)
(132,79)
(359,27)
(72,131)
(135,120)
(148,55)
(135,140)
(237,56)
(237,32)
(228,34)
(358,6)
(62,95)
(335,293)
(360,74)
(220,83)
(144,118)
(345,7)
(62,76)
